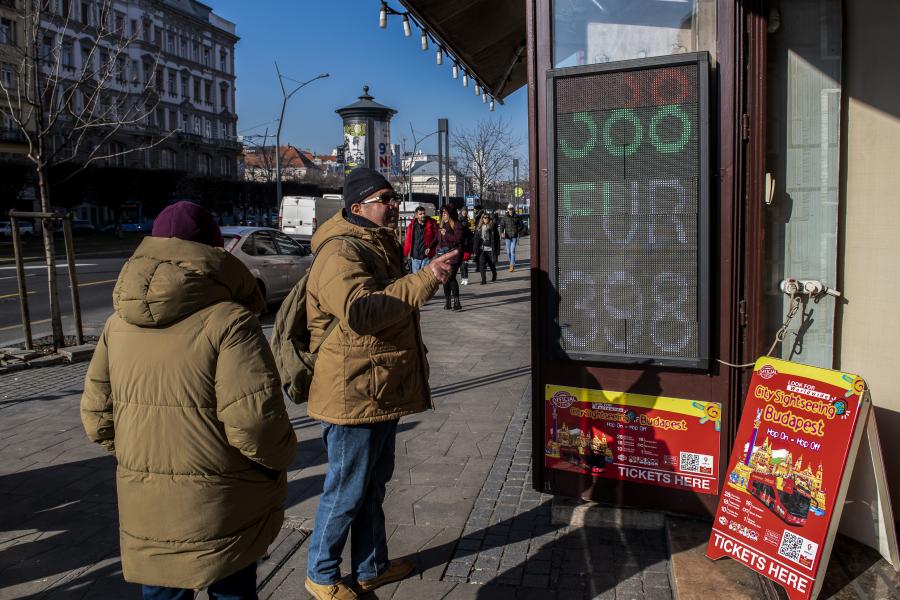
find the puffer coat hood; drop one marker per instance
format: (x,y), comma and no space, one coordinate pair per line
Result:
(184,390)
(372,367)
(168,278)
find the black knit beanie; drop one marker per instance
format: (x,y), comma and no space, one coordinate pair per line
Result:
(361,183)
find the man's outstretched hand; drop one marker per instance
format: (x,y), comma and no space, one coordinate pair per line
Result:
(441,266)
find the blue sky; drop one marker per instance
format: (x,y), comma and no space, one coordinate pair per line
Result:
(342,38)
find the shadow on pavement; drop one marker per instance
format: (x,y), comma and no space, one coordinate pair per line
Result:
(477,382)
(63,519)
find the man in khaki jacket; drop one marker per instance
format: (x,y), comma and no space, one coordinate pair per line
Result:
(183,389)
(370,371)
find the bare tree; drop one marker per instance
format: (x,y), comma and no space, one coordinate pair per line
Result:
(487,151)
(70,113)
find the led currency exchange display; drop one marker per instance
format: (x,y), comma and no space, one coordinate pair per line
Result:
(629,171)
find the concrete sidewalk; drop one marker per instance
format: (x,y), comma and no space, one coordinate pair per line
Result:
(460,501)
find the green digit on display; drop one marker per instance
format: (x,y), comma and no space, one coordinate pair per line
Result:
(687,128)
(623,114)
(587,120)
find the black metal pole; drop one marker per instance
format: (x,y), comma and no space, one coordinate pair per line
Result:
(440,162)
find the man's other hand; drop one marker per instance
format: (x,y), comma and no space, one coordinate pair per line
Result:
(441,266)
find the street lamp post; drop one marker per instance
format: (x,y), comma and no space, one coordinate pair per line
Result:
(515,184)
(285,96)
(410,158)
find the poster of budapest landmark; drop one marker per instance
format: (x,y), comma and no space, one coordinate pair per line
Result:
(653,440)
(782,492)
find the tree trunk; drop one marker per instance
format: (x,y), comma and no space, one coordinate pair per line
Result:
(50,259)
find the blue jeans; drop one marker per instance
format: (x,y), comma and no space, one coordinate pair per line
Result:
(360,463)
(237,586)
(511,250)
(417,264)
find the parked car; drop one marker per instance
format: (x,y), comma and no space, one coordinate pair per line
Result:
(81,226)
(25,228)
(276,260)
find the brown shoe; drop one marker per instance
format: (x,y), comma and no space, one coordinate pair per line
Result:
(398,570)
(511,268)
(334,591)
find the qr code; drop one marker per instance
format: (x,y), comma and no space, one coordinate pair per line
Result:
(798,549)
(689,462)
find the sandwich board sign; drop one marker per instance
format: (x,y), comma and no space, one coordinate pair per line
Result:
(787,479)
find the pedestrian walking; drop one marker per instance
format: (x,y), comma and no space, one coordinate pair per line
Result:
(370,371)
(184,391)
(510,230)
(421,240)
(465,245)
(450,237)
(485,247)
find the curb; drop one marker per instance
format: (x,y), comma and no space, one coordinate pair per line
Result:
(69,355)
(573,512)
(692,574)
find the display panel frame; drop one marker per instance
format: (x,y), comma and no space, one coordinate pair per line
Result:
(703,218)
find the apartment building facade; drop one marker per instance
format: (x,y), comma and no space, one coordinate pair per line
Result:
(167,65)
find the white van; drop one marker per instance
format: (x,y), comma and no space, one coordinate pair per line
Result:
(299,216)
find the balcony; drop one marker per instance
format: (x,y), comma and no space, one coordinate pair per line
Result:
(12,136)
(189,138)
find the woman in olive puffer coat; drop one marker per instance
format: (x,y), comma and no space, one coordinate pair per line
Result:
(183,389)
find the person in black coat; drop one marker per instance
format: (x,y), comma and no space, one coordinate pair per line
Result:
(486,246)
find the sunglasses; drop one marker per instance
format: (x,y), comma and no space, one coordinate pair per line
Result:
(384,198)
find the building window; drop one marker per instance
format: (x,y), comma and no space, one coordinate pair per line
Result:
(157,36)
(225,165)
(8,32)
(85,13)
(197,129)
(195,52)
(64,8)
(160,118)
(208,124)
(173,91)
(185,92)
(173,120)
(205,164)
(120,24)
(47,48)
(197,90)
(185,124)
(223,60)
(184,48)
(208,92)
(116,154)
(223,96)
(223,131)
(170,44)
(7,76)
(167,158)
(207,56)
(120,71)
(67,59)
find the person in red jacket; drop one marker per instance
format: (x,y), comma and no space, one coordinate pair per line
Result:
(421,239)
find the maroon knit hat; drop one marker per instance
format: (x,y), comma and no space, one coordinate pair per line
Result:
(188,221)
